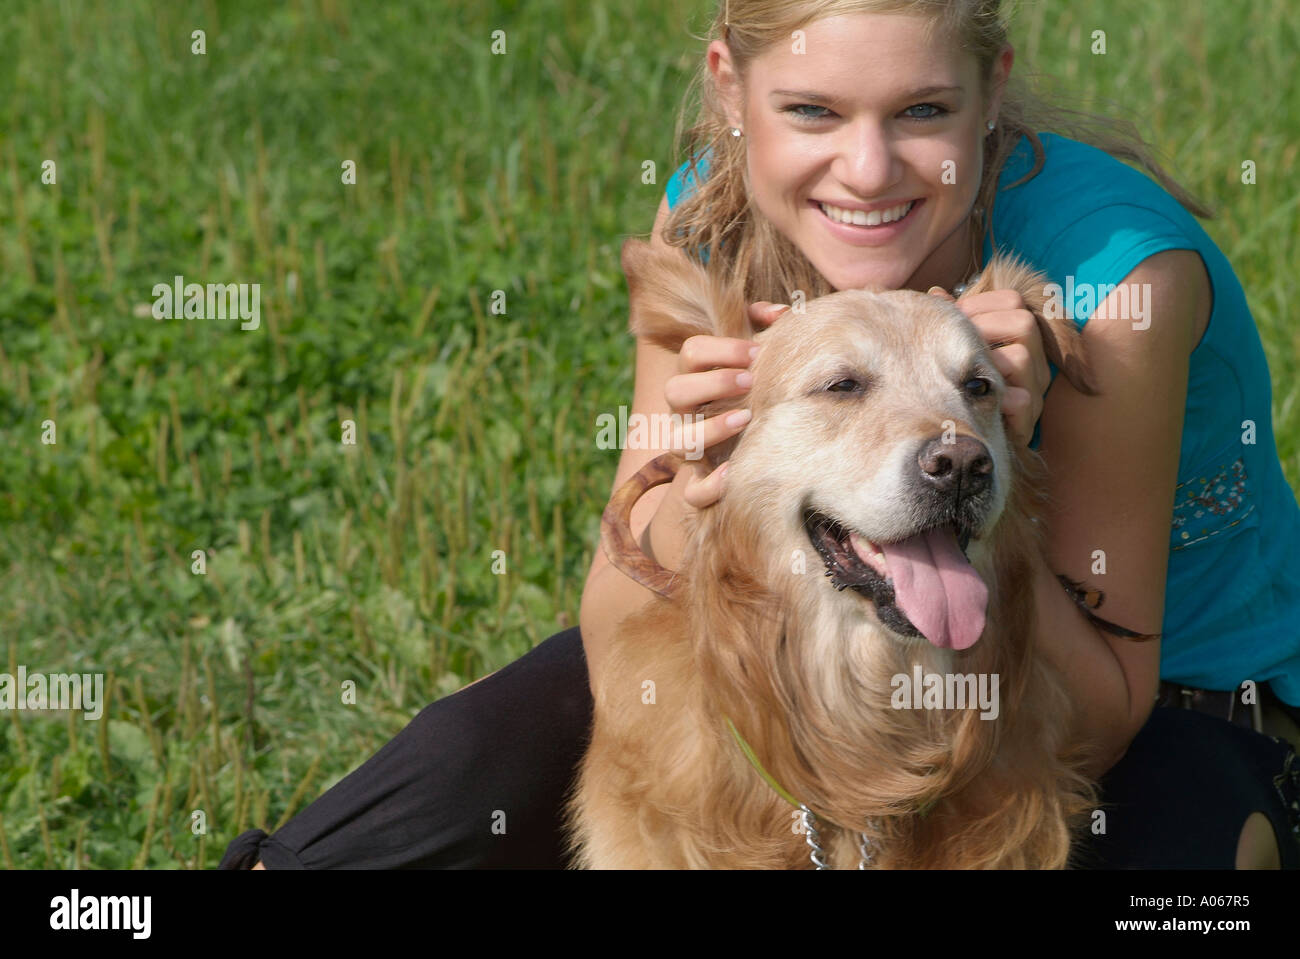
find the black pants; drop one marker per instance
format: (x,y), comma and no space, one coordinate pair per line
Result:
(477,780)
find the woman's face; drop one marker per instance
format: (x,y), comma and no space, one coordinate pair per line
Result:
(876,117)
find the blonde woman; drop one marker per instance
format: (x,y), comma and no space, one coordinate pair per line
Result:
(850,143)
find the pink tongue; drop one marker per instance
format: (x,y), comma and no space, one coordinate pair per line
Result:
(937,588)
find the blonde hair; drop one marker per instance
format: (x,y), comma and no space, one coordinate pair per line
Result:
(742,241)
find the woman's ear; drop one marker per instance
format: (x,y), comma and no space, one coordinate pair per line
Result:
(1001,72)
(718,58)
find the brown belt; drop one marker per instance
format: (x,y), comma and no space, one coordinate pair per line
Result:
(1219,703)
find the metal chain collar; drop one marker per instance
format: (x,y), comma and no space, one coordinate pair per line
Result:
(818,855)
(809,819)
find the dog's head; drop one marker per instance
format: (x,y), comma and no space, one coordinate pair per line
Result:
(876,448)
(876,455)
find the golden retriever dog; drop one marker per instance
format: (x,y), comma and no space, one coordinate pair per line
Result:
(870,556)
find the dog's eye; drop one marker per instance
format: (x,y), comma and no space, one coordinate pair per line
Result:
(978,386)
(844,386)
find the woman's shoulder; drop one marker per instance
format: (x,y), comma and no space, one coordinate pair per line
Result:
(1079,182)
(1088,216)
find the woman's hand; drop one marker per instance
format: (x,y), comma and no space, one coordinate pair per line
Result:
(712,368)
(1016,348)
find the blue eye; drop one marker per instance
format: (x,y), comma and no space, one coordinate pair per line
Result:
(936,111)
(794,109)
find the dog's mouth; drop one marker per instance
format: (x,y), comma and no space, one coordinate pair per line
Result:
(922,585)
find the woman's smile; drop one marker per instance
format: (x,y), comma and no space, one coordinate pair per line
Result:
(873,224)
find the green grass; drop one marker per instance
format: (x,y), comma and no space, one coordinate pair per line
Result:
(373,563)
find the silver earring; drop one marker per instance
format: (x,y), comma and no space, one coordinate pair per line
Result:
(991,125)
(735,131)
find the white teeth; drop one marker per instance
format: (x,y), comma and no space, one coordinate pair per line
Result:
(870,553)
(872,218)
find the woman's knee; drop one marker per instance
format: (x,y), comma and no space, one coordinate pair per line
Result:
(1257,846)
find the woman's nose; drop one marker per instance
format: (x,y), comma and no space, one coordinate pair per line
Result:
(867,162)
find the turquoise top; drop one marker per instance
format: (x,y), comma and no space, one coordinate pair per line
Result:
(1232,601)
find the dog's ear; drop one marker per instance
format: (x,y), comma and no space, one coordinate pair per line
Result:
(1061,339)
(672,298)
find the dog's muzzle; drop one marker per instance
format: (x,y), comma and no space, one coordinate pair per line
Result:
(921,584)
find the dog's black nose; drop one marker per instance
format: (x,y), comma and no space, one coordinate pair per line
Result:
(962,467)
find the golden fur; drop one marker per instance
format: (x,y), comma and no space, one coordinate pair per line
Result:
(802,669)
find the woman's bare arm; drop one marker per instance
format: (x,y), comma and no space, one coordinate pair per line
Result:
(1114,463)
(608,595)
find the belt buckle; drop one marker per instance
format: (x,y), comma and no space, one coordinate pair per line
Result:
(1190,697)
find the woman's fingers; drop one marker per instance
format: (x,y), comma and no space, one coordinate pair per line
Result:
(1023,364)
(1002,319)
(710,368)
(687,391)
(991,301)
(765,313)
(700,353)
(1022,401)
(1020,414)
(704,489)
(698,433)
(1003,328)
(1015,363)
